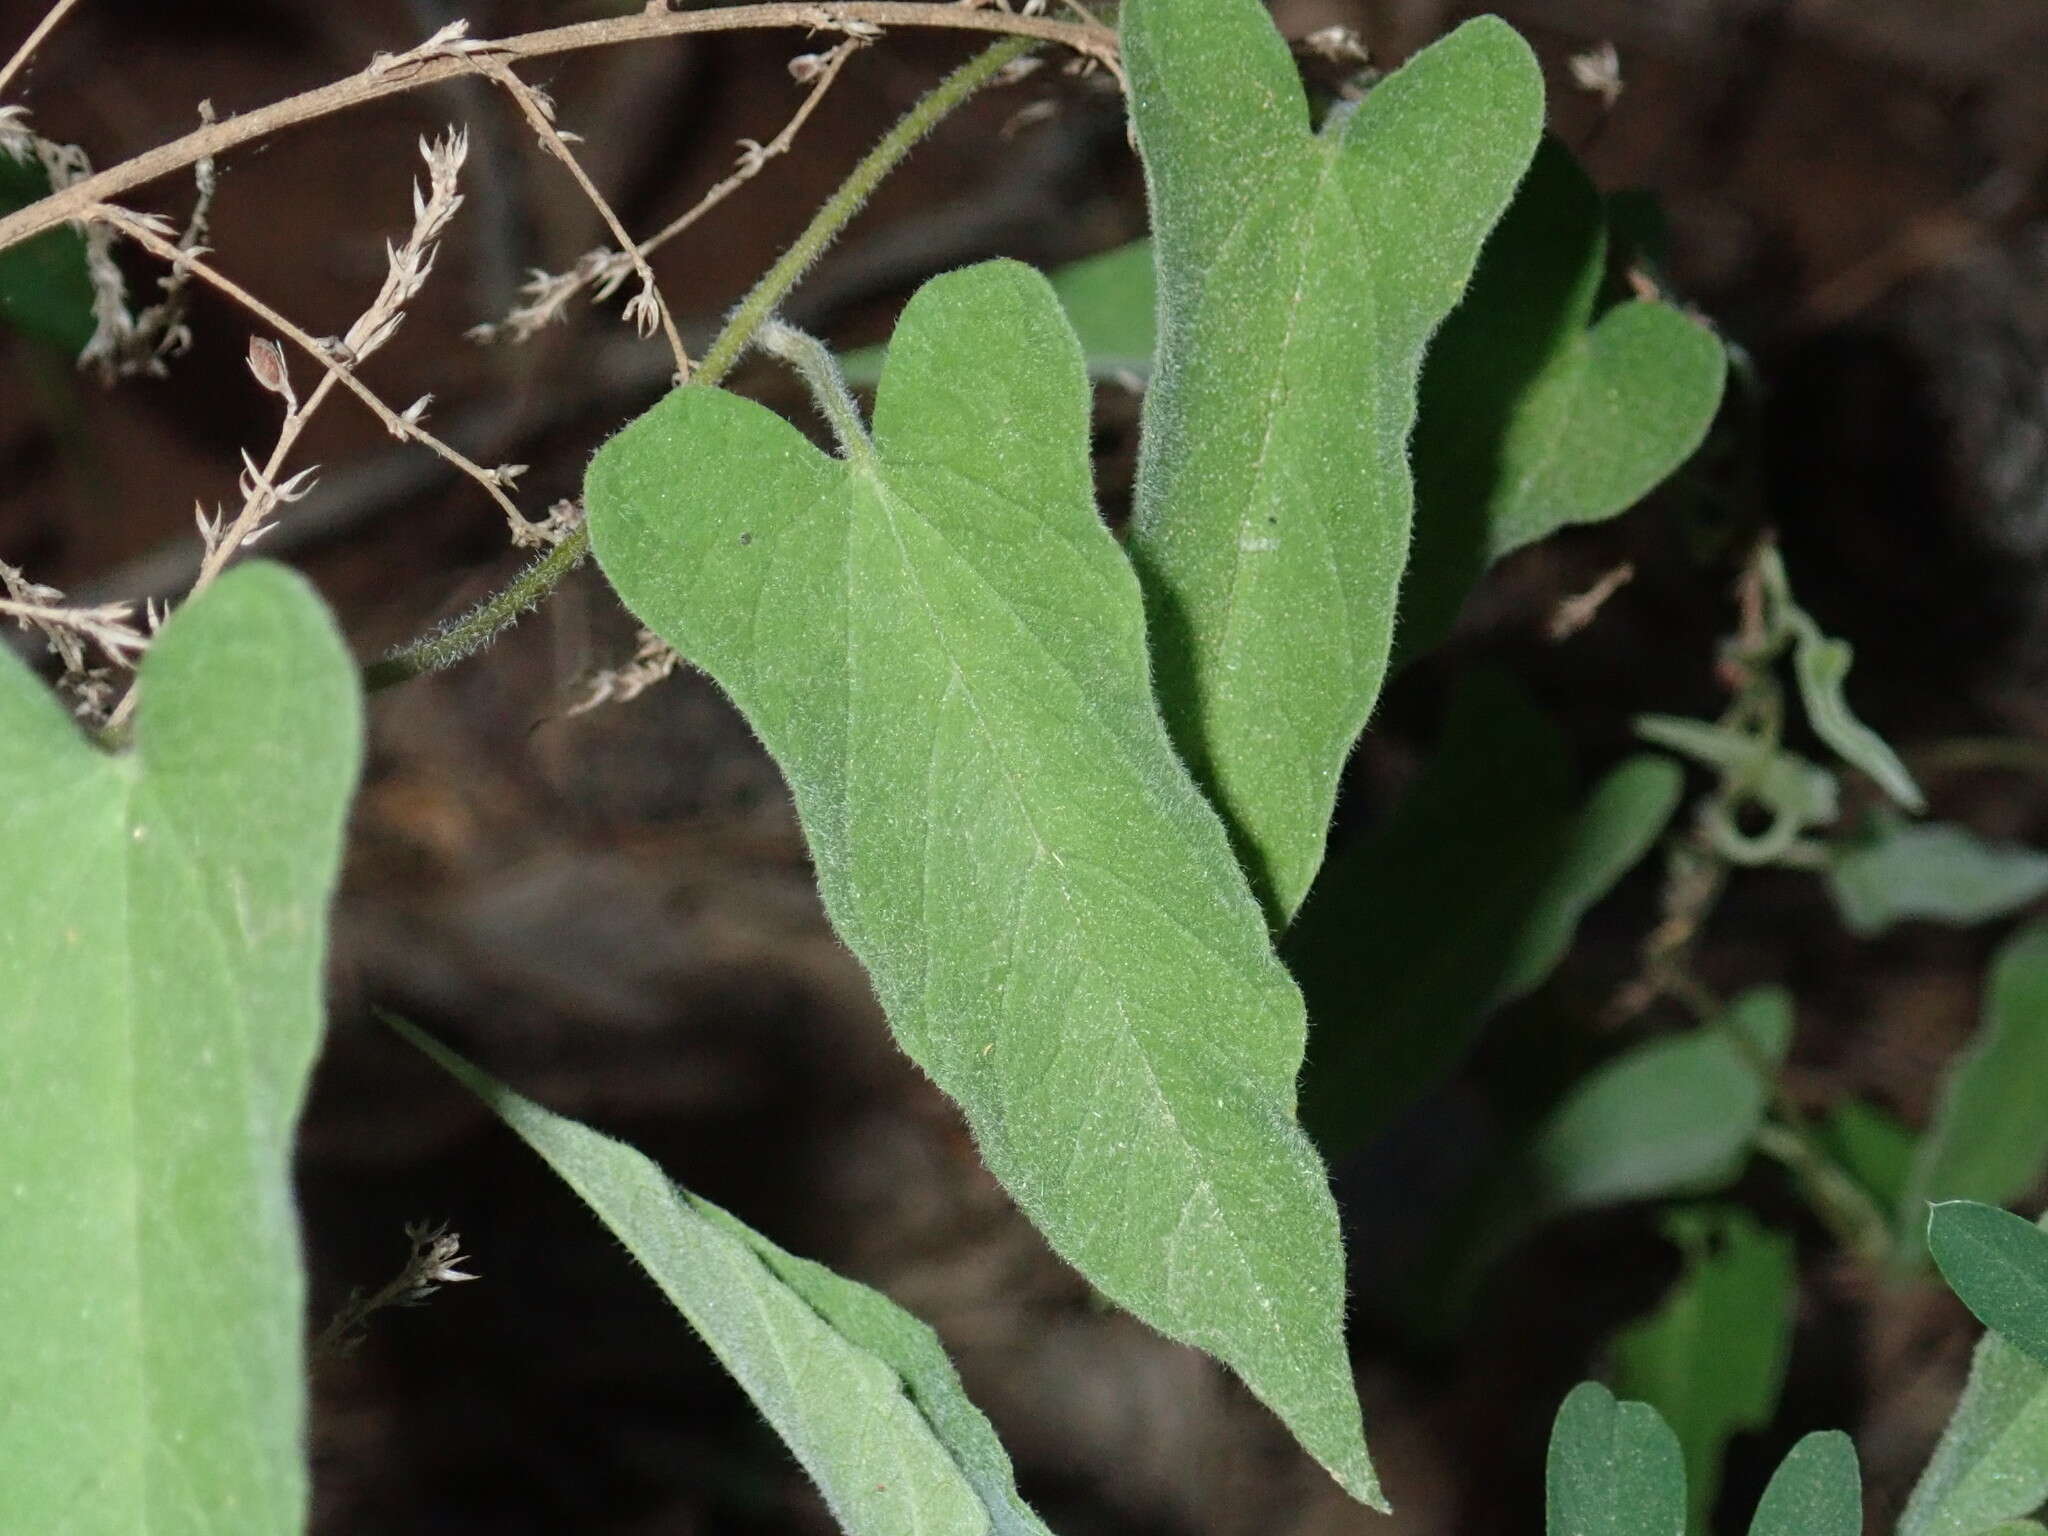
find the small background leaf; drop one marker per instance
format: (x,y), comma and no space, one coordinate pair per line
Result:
(1901,871)
(1989,1137)
(944,649)
(1300,277)
(161,1011)
(1992,1462)
(1674,1116)
(859,1390)
(1614,1469)
(1464,900)
(1816,1491)
(1711,1359)
(1998,1264)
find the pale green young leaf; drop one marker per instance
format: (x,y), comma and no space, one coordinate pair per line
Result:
(162,929)
(1816,1491)
(1464,900)
(1536,414)
(1675,1116)
(1300,276)
(1902,871)
(944,649)
(1992,1462)
(1613,1470)
(1711,1358)
(1989,1136)
(1998,1264)
(1821,667)
(859,1390)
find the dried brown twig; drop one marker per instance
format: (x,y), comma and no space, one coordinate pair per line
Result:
(33,41)
(601,271)
(69,629)
(451,53)
(647,310)
(338,365)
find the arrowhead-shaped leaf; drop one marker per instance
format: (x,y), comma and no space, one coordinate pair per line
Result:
(1300,275)
(1536,415)
(859,1390)
(161,934)
(945,651)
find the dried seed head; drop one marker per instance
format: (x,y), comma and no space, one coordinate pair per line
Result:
(266,361)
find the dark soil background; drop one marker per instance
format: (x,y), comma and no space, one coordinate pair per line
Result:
(613,911)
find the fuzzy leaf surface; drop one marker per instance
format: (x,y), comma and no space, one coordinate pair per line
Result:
(1300,275)
(944,649)
(859,1390)
(1998,1264)
(1540,409)
(1613,1470)
(161,935)
(1992,1463)
(1816,1491)
(1989,1137)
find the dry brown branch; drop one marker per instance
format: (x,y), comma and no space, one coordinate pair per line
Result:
(452,57)
(33,41)
(397,423)
(602,271)
(647,309)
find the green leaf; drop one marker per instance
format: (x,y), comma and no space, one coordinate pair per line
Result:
(161,936)
(1614,1469)
(1998,1264)
(1466,899)
(945,651)
(1711,1359)
(1874,1148)
(1821,666)
(1536,415)
(1989,1137)
(45,291)
(1300,275)
(2015,1528)
(860,1391)
(1675,1116)
(1816,1491)
(1992,1462)
(1109,298)
(1903,871)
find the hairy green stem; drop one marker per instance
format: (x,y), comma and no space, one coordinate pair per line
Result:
(459,638)
(451,642)
(815,364)
(839,209)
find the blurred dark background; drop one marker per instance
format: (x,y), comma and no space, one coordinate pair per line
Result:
(612,909)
